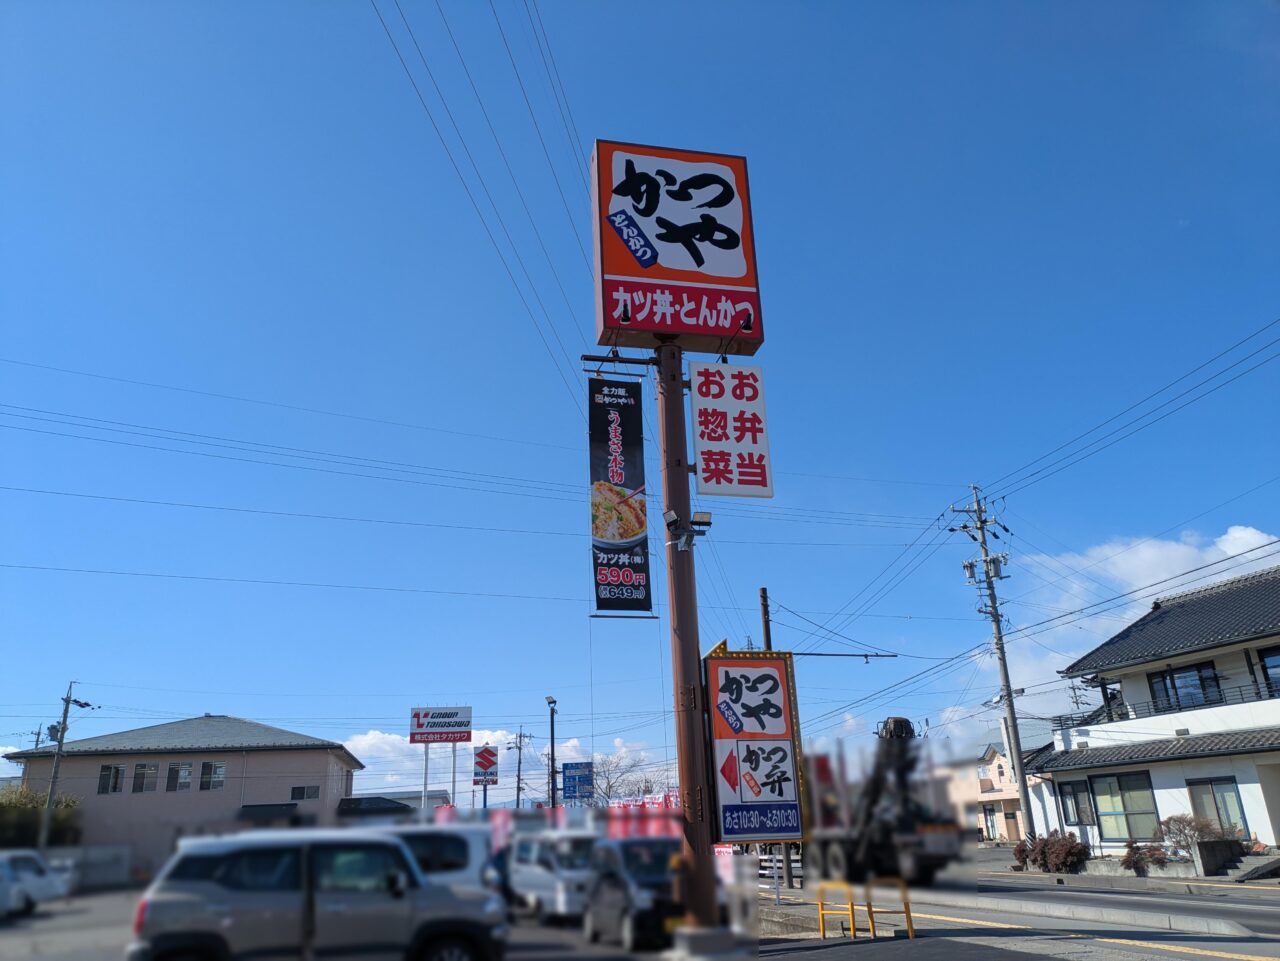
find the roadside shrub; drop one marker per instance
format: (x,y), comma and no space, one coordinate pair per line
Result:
(1065,854)
(1021,852)
(1138,857)
(1039,853)
(1184,831)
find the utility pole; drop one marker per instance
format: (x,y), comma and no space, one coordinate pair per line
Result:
(783,849)
(692,748)
(764,620)
(986,580)
(518,747)
(39,735)
(46,816)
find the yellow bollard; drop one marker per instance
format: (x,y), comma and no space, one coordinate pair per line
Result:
(845,909)
(901,885)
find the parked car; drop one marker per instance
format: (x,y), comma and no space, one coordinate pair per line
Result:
(551,870)
(311,893)
(29,881)
(630,899)
(452,853)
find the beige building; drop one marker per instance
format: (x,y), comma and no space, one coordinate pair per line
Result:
(205,775)
(984,794)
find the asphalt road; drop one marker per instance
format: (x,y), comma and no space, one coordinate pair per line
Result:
(1259,913)
(96,927)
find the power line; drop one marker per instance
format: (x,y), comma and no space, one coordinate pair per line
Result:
(577,401)
(305,467)
(538,128)
(301,453)
(497,211)
(1025,481)
(298,408)
(574,148)
(555,68)
(1085,456)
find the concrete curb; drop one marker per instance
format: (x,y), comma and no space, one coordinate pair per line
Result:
(801,920)
(1149,920)
(1159,885)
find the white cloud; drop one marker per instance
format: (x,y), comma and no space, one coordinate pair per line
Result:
(8,768)
(1043,586)
(391,761)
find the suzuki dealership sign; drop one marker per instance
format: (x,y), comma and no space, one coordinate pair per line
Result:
(755,745)
(730,434)
(440,725)
(675,250)
(485,768)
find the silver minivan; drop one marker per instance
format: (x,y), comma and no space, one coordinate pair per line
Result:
(551,871)
(311,893)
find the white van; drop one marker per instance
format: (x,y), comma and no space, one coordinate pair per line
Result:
(551,872)
(28,881)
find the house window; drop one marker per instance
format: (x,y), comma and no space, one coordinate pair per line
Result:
(982,771)
(1218,799)
(145,777)
(999,772)
(1181,687)
(1077,806)
(213,775)
(111,779)
(179,777)
(1126,806)
(1270,661)
(308,793)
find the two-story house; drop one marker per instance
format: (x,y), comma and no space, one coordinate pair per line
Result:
(1190,723)
(983,793)
(148,787)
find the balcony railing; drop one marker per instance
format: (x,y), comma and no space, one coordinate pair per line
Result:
(1126,710)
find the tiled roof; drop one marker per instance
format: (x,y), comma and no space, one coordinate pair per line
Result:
(212,732)
(1228,612)
(1255,741)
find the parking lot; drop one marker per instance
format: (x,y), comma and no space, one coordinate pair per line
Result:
(95,927)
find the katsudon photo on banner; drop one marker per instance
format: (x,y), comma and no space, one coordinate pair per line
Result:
(619,521)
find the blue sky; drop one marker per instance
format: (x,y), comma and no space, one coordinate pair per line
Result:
(981,229)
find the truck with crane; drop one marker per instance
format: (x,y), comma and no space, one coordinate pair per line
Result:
(879,827)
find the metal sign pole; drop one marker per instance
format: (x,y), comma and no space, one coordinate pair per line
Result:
(686,656)
(426,773)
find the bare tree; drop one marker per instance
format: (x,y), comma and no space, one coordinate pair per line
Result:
(618,776)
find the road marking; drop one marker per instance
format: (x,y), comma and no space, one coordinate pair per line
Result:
(980,924)
(1156,945)
(1183,949)
(1176,948)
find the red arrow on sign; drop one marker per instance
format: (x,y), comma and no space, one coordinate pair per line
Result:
(729,770)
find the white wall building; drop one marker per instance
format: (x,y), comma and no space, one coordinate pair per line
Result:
(1190,722)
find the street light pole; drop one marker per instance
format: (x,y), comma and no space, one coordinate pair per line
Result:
(686,655)
(551,703)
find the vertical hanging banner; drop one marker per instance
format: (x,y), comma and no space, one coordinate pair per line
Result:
(675,250)
(619,521)
(730,432)
(755,735)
